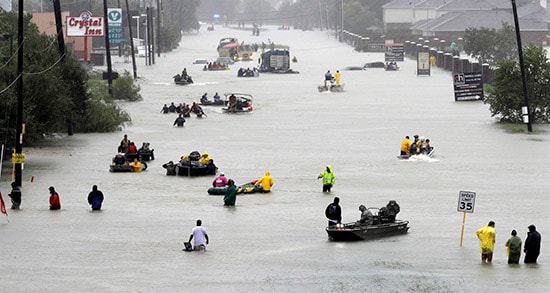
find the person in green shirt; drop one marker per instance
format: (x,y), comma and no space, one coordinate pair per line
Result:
(513,246)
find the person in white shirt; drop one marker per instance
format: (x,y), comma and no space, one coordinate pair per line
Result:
(200,235)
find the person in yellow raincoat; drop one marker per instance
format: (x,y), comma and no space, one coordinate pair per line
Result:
(406,146)
(337,76)
(487,236)
(136,165)
(328,178)
(205,158)
(265,182)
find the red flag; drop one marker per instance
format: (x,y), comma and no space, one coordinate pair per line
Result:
(3,206)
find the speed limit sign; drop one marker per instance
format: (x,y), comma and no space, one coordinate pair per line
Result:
(466,201)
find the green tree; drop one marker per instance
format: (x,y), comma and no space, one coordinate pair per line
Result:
(490,45)
(55,91)
(506,97)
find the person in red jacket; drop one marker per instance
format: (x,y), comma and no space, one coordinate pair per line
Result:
(55,203)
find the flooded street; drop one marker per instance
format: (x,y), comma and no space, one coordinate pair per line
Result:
(276,242)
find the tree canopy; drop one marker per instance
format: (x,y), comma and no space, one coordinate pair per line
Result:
(506,97)
(490,45)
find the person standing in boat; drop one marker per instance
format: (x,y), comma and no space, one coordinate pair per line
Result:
(95,198)
(55,203)
(328,77)
(230,193)
(337,76)
(406,146)
(393,209)
(333,212)
(124,144)
(486,236)
(366,216)
(328,178)
(265,182)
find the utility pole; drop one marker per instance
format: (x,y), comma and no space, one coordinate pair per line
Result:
(108,49)
(132,38)
(158,28)
(19,119)
(527,112)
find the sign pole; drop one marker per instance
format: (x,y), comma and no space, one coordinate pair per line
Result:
(466,204)
(462,232)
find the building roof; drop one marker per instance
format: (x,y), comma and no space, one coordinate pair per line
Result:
(491,19)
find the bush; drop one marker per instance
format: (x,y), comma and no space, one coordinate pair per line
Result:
(125,89)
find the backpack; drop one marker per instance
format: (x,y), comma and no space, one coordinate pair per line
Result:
(330,212)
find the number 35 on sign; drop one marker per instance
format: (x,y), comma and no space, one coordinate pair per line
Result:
(466,201)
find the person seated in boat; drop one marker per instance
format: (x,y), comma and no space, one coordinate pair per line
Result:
(189,79)
(136,165)
(415,145)
(328,77)
(172,108)
(165,109)
(184,161)
(232,103)
(194,156)
(220,181)
(247,105)
(205,158)
(393,209)
(132,149)
(383,215)
(240,72)
(120,160)
(426,148)
(180,121)
(170,168)
(146,150)
(217,97)
(204,99)
(405,146)
(367,217)
(177,77)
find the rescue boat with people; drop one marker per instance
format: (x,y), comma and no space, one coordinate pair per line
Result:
(381,227)
(241,189)
(237,103)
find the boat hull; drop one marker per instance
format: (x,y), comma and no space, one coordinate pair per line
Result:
(353,232)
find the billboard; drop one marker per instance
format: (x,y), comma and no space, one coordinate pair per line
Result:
(394,52)
(85,25)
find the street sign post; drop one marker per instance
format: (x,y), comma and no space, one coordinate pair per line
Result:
(466,204)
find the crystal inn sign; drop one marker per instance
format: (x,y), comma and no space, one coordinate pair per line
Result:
(85,25)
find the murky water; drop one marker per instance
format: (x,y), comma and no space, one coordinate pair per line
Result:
(276,242)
